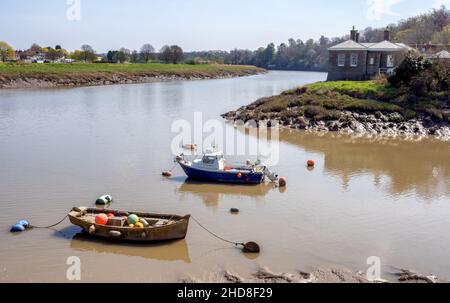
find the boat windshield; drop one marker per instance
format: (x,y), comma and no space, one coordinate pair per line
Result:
(209,160)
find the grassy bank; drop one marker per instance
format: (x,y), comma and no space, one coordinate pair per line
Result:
(45,75)
(57,68)
(327,101)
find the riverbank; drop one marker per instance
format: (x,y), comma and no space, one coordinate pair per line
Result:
(369,107)
(80,74)
(320,275)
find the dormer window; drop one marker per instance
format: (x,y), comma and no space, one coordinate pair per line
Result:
(341,60)
(354,60)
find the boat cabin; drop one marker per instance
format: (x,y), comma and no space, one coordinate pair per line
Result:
(210,161)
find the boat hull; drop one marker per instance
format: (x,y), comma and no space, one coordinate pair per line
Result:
(175,231)
(223,176)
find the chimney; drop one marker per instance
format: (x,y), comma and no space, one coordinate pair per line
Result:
(357,37)
(387,34)
(353,34)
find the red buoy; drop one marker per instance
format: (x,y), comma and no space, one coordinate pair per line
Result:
(310,163)
(167,174)
(282,182)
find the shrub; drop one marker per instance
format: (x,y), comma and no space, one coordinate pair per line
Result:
(410,67)
(424,83)
(312,110)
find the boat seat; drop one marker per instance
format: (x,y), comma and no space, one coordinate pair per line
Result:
(161,223)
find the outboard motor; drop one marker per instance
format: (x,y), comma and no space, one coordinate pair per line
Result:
(273,177)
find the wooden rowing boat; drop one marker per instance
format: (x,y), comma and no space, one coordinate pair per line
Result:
(161,227)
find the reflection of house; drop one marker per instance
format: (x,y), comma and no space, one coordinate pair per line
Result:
(352,60)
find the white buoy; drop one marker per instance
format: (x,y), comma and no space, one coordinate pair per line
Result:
(104,200)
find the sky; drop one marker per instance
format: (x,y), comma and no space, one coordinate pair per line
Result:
(192,24)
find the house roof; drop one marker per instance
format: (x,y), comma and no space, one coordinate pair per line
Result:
(386,45)
(348,45)
(381,46)
(443,55)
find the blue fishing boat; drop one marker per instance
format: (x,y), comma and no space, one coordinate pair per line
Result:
(212,167)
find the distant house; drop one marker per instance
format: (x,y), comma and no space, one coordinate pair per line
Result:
(441,55)
(352,60)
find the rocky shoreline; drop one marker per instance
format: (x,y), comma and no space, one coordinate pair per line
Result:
(350,122)
(16,81)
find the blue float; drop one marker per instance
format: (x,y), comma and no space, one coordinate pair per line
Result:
(20,226)
(17,228)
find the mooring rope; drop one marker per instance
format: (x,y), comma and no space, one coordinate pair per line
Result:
(218,237)
(173,167)
(32,226)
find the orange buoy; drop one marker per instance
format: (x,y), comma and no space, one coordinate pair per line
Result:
(282,182)
(310,163)
(167,174)
(101,219)
(190,146)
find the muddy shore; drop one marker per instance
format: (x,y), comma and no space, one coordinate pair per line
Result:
(14,81)
(320,275)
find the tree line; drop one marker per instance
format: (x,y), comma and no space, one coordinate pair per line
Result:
(168,54)
(429,28)
(295,54)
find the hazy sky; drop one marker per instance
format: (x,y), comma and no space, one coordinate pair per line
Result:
(193,24)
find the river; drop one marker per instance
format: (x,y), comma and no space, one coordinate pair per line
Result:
(60,148)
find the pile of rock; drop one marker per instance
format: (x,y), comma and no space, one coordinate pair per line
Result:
(387,124)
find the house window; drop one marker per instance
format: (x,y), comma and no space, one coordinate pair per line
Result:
(372,60)
(341,60)
(390,61)
(354,60)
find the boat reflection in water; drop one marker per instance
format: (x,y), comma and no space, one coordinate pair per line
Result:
(167,251)
(212,193)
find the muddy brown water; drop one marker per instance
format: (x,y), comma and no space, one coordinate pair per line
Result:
(65,147)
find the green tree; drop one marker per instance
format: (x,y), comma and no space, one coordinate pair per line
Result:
(123,55)
(134,57)
(147,52)
(165,54)
(177,54)
(6,52)
(76,55)
(87,53)
(268,54)
(171,54)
